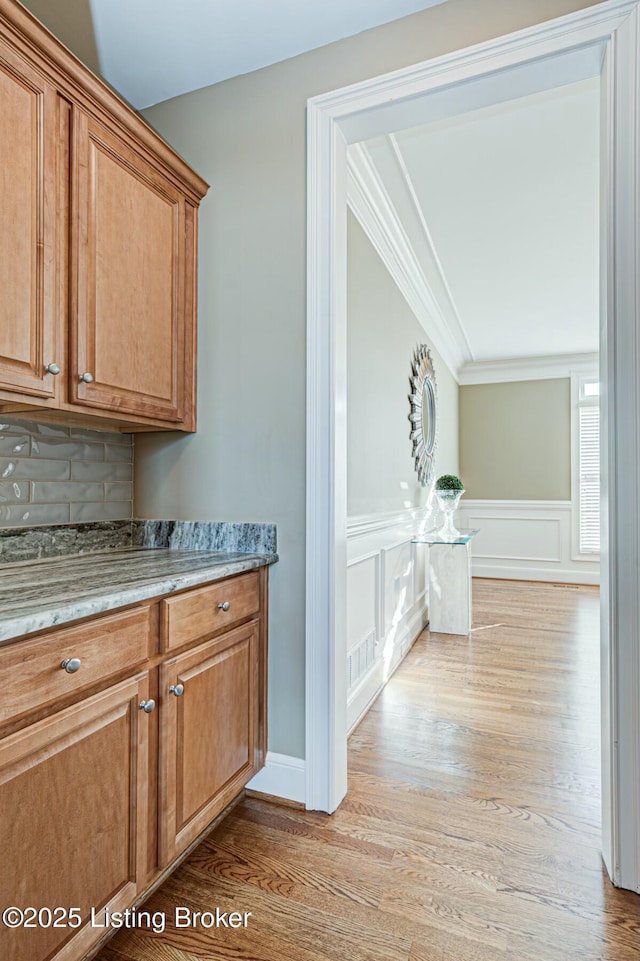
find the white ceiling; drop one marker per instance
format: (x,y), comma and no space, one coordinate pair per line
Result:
(151,50)
(502,205)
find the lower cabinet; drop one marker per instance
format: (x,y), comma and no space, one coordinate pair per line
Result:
(103,790)
(208,734)
(73,824)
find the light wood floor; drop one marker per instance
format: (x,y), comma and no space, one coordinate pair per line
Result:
(471,827)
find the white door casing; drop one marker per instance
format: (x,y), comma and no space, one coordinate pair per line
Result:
(602,39)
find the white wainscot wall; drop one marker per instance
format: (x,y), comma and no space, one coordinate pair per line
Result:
(387,600)
(525,540)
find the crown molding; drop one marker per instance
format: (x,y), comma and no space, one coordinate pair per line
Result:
(372,206)
(401,183)
(527,368)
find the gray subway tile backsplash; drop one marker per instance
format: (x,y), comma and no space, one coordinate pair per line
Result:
(11,491)
(15,445)
(65,448)
(102,510)
(116,491)
(50,430)
(99,436)
(29,515)
(116,452)
(34,468)
(83,470)
(49,492)
(52,474)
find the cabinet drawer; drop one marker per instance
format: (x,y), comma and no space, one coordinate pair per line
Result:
(32,672)
(199,613)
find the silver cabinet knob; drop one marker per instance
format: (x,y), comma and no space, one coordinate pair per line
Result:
(147,706)
(177,689)
(86,378)
(224,605)
(52,369)
(71,664)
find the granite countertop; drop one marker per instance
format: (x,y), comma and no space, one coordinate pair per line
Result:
(35,595)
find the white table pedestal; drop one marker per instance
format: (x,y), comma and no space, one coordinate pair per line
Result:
(449,581)
(450,588)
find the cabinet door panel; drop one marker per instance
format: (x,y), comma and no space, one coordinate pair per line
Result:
(129,261)
(208,734)
(74,810)
(28,107)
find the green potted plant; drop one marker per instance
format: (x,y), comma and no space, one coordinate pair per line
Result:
(448,489)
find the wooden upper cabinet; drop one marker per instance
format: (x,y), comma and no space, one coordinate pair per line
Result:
(128,283)
(98,261)
(27,234)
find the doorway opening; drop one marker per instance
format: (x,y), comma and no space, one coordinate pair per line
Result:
(598,42)
(476,236)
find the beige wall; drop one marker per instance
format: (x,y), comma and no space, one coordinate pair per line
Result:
(515,440)
(383,333)
(72,22)
(247,461)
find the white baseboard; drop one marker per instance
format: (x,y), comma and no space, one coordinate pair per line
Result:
(554,575)
(282,776)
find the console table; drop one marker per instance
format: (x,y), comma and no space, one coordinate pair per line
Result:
(449,581)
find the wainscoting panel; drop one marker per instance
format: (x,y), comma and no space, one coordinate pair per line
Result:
(387,600)
(397,579)
(525,540)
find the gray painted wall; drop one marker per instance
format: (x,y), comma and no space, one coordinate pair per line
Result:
(515,440)
(382,334)
(247,462)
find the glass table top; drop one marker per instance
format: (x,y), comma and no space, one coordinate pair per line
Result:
(434,537)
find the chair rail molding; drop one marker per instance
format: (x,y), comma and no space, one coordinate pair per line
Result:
(601,40)
(414,519)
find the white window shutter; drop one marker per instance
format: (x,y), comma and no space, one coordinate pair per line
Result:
(589,476)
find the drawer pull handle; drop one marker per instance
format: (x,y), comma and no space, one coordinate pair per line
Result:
(71,664)
(177,689)
(86,378)
(224,605)
(52,369)
(147,706)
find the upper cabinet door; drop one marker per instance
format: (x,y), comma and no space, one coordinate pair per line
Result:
(28,111)
(128,279)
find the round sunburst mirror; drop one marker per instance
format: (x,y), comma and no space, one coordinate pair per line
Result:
(424,413)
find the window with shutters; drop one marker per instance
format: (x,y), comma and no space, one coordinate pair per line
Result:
(586,465)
